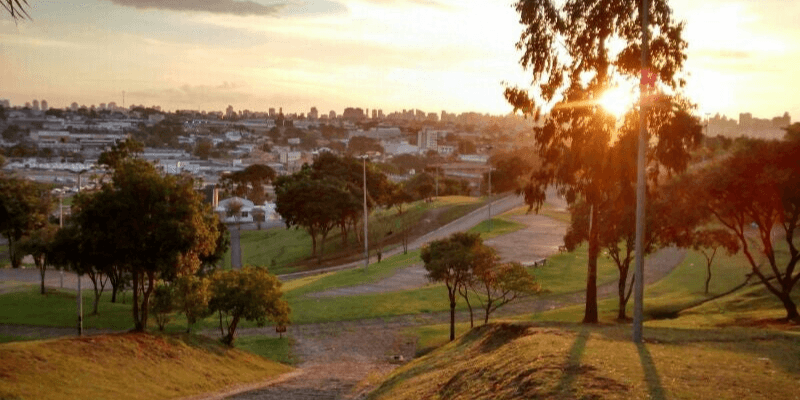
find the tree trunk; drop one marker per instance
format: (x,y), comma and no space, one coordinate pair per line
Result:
(113,292)
(231,331)
(791,308)
(42,270)
(137,323)
(623,301)
(708,275)
(452,320)
(590,315)
(321,248)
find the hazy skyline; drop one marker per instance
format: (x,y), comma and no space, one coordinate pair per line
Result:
(389,54)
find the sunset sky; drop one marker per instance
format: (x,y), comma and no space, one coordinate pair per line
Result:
(389,54)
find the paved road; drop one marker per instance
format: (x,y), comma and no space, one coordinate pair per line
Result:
(236,230)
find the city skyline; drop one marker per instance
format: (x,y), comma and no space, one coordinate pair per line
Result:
(390,55)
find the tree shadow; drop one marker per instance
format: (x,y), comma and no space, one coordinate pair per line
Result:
(650,373)
(572,368)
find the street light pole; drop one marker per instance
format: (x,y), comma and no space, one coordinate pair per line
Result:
(80,297)
(638,306)
(366,216)
(490,198)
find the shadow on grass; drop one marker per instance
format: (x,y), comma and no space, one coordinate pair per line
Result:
(572,369)
(650,373)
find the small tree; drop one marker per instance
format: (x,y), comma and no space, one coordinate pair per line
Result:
(163,304)
(708,242)
(450,261)
(251,294)
(234,209)
(191,297)
(502,284)
(38,244)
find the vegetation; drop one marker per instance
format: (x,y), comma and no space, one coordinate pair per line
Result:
(24,207)
(127,366)
(581,150)
(250,294)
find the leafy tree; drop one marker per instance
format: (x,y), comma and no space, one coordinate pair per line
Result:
(510,169)
(120,152)
(708,242)
(13,133)
(24,207)
(191,298)
(499,284)
(451,261)
(163,304)
(38,244)
(792,132)
(318,205)
(566,48)
(359,145)
(234,209)
(757,185)
(156,226)
(249,183)
(251,294)
(73,249)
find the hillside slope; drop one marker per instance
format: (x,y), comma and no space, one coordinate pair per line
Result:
(563,361)
(126,366)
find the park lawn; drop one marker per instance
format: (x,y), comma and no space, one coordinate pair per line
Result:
(127,366)
(558,360)
(289,247)
(566,272)
(271,348)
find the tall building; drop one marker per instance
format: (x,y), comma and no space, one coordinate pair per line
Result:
(313,114)
(45,107)
(5,103)
(35,105)
(73,106)
(229,113)
(272,112)
(332,115)
(374,114)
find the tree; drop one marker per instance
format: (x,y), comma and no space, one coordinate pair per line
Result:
(754,194)
(249,183)
(450,261)
(359,145)
(24,207)
(38,244)
(234,209)
(566,47)
(157,226)
(72,248)
(792,132)
(163,304)
(191,297)
(16,8)
(251,294)
(708,242)
(499,284)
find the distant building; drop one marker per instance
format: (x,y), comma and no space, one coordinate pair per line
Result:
(272,112)
(313,114)
(35,105)
(332,115)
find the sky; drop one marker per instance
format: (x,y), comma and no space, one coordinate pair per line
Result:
(433,55)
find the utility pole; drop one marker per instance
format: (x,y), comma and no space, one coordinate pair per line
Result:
(638,306)
(437,182)
(490,198)
(366,216)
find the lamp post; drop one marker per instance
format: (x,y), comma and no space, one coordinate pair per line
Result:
(366,216)
(80,297)
(490,198)
(638,307)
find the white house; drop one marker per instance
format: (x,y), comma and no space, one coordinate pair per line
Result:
(246,212)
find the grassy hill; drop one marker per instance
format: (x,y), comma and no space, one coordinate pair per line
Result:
(126,366)
(572,361)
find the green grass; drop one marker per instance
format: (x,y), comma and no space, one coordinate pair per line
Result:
(566,272)
(275,349)
(291,248)
(500,226)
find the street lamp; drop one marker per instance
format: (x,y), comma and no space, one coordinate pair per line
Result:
(638,307)
(80,297)
(490,192)
(366,216)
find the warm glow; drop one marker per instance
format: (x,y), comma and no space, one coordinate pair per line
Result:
(617,101)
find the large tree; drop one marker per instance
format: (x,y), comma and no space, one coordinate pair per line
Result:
(249,182)
(38,244)
(155,225)
(755,195)
(576,51)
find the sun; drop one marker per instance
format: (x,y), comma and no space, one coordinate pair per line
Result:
(616,100)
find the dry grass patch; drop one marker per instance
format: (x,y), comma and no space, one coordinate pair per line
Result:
(566,361)
(126,366)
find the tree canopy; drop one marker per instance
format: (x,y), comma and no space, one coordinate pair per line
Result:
(567,49)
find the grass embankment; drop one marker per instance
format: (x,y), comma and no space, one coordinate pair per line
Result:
(505,361)
(126,366)
(283,250)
